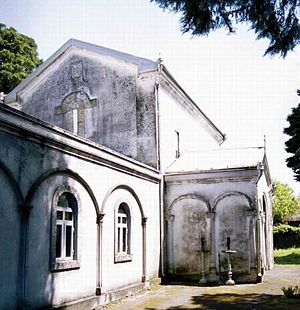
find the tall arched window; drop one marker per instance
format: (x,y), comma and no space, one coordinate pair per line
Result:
(64,247)
(122,233)
(66,221)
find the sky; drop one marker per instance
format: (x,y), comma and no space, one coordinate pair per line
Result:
(247,95)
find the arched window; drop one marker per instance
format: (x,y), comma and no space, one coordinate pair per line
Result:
(122,233)
(66,226)
(64,248)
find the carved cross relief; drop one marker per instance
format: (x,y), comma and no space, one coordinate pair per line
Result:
(73,109)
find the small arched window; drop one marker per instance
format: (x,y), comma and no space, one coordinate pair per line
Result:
(64,248)
(123,233)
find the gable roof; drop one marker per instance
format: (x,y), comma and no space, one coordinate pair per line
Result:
(144,65)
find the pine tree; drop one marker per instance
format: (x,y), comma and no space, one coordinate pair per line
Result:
(275,20)
(293,144)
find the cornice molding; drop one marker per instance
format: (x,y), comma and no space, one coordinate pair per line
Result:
(33,129)
(213,176)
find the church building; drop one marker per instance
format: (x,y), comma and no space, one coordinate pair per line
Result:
(112,177)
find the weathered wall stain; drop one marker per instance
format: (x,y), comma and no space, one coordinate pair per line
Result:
(115,107)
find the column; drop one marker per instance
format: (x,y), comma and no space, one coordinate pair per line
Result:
(99,253)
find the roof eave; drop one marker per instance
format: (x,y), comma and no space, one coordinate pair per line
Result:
(267,170)
(12,96)
(142,63)
(175,90)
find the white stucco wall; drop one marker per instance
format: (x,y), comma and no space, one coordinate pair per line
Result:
(122,274)
(173,117)
(33,159)
(44,287)
(231,200)
(116,275)
(266,222)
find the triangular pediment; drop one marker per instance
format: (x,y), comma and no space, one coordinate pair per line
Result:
(90,50)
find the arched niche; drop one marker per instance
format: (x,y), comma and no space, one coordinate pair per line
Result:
(235,230)
(188,220)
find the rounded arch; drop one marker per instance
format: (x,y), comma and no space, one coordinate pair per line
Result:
(127,188)
(228,194)
(60,171)
(63,189)
(13,182)
(77,100)
(188,196)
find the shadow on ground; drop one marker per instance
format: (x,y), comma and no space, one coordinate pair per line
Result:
(291,259)
(238,302)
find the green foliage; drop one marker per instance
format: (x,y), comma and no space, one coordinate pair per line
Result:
(285,202)
(284,228)
(275,20)
(293,144)
(18,57)
(286,236)
(291,291)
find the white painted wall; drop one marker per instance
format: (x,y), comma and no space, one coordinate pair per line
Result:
(117,275)
(266,222)
(44,287)
(173,117)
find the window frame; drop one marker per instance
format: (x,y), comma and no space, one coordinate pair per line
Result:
(121,254)
(65,262)
(66,252)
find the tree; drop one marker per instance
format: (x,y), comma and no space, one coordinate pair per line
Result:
(293,144)
(275,20)
(285,202)
(18,57)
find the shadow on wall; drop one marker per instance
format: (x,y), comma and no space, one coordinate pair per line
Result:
(39,282)
(30,172)
(64,283)
(25,225)
(24,163)
(11,199)
(39,287)
(238,302)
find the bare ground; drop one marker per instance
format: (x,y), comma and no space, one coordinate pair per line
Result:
(266,295)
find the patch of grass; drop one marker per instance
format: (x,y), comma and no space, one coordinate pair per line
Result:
(289,256)
(291,291)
